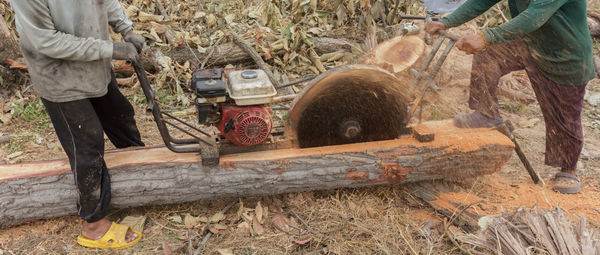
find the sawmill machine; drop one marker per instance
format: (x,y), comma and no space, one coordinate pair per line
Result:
(348,104)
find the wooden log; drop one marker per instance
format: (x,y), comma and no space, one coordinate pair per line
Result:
(229,53)
(152,176)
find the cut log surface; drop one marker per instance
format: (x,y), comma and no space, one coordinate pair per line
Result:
(398,54)
(152,176)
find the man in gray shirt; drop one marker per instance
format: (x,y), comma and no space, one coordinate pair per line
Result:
(68,49)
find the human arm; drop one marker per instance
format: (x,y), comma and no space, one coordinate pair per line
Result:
(536,15)
(117,17)
(469,10)
(121,24)
(35,22)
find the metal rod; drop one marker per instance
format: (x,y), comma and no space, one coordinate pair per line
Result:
(442,58)
(187,132)
(157,114)
(289,84)
(425,66)
(448,35)
(185,123)
(434,18)
(506,128)
(434,72)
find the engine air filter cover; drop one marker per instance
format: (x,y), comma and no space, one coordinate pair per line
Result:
(250,87)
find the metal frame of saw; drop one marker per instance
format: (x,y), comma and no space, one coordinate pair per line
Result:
(425,74)
(205,143)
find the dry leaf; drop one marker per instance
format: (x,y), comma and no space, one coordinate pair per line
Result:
(211,20)
(5,118)
(303,241)
(190,221)
(341,14)
(259,212)
(217,229)
(150,229)
(371,212)
(217,217)
(199,14)
(244,228)
(145,17)
(176,219)
(132,11)
(225,251)
(257,228)
(241,208)
(280,221)
(137,223)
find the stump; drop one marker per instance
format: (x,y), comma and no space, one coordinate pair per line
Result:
(153,176)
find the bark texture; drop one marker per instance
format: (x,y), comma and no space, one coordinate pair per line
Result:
(152,176)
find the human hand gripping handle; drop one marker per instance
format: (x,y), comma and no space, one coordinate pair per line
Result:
(472,44)
(124,51)
(433,27)
(137,40)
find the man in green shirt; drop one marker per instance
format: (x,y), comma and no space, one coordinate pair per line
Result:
(550,40)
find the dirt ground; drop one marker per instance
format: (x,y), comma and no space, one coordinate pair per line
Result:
(375,220)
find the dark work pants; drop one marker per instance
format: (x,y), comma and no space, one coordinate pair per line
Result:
(79,126)
(560,104)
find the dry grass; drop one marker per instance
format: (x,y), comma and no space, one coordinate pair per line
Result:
(380,220)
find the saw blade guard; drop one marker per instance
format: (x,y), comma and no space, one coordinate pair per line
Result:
(349,104)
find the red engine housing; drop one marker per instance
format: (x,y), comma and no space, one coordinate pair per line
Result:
(245,125)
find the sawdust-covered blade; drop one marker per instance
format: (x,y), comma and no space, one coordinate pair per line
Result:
(349,104)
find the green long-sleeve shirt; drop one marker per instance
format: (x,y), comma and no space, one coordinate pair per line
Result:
(555,30)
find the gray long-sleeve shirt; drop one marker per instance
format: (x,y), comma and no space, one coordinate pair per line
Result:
(67,45)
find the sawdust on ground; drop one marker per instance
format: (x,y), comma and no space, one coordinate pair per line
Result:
(499,194)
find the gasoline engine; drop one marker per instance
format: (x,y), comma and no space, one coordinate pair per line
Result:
(237,105)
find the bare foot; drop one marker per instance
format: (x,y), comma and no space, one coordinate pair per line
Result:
(96,230)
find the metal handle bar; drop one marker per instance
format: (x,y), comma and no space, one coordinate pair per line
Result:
(448,35)
(173,144)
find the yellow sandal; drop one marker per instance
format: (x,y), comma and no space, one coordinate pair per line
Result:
(113,239)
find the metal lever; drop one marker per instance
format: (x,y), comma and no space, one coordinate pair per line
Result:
(422,74)
(173,144)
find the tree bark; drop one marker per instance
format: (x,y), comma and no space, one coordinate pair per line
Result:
(152,176)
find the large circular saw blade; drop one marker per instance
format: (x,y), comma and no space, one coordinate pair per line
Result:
(349,104)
